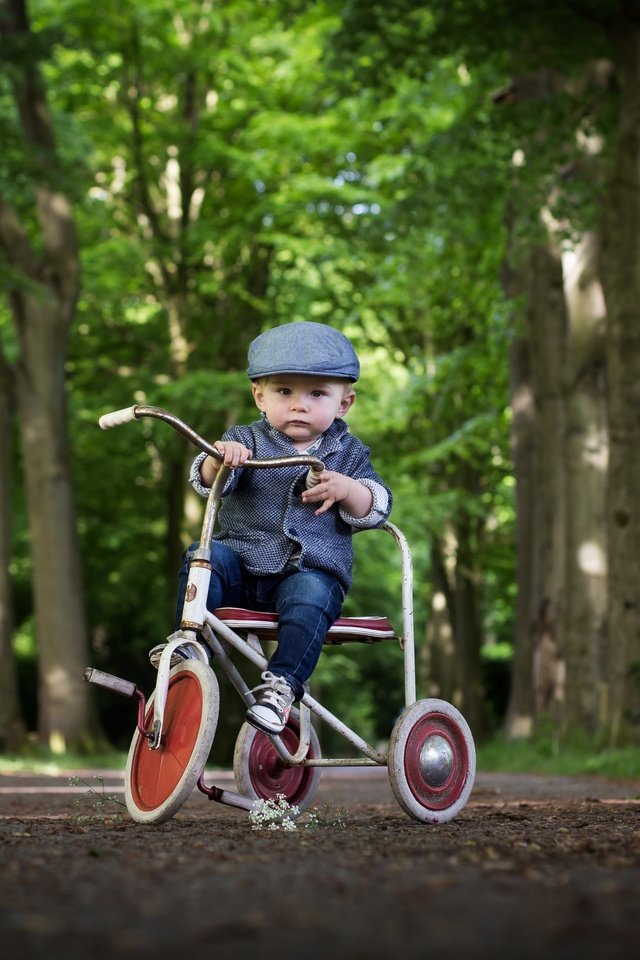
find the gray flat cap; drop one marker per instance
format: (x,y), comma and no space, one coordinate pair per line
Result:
(303,347)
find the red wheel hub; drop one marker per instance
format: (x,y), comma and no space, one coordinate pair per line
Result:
(436,761)
(271,777)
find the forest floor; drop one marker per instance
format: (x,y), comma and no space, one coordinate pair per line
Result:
(533,867)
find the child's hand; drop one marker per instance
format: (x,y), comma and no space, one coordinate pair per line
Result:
(235,454)
(337,488)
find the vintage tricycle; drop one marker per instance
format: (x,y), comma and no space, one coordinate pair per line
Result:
(431,753)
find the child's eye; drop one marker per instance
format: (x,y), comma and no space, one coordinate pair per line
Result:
(317,393)
(285,391)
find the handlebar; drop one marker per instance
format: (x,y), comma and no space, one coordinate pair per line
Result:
(137,412)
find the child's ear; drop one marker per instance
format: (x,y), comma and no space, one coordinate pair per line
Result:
(258,395)
(347,402)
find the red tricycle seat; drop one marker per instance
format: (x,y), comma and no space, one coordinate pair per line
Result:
(344,630)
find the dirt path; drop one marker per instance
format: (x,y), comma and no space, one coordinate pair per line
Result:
(533,867)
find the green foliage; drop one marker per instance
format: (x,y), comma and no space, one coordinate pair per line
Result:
(227,178)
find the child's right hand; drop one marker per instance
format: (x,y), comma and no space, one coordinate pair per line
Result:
(234,455)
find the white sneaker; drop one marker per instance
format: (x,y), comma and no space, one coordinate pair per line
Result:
(271,710)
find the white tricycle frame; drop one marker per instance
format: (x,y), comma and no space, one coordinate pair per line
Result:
(431,753)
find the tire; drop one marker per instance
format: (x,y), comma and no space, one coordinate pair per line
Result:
(260,773)
(158,782)
(432,761)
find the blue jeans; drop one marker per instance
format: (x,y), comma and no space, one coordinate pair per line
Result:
(307,602)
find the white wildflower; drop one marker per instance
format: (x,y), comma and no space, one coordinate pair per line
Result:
(274,814)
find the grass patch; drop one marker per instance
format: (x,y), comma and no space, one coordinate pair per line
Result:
(545,755)
(56,764)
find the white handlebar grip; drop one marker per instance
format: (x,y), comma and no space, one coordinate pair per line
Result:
(117,417)
(311,479)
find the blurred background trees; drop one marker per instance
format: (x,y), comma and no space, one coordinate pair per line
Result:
(453,185)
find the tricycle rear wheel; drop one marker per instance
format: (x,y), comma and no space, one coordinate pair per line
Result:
(260,773)
(432,761)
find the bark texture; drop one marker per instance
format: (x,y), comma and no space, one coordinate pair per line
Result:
(538,440)
(12,726)
(43,302)
(621,280)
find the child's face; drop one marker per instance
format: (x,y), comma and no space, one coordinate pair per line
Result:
(302,407)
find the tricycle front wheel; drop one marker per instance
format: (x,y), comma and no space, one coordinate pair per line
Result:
(158,782)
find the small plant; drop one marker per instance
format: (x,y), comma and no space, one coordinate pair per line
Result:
(324,818)
(279,814)
(273,814)
(102,802)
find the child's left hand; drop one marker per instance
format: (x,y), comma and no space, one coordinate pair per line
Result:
(337,488)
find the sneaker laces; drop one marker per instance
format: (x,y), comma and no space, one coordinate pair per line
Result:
(274,692)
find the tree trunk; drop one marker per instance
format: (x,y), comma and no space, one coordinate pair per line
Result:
(436,657)
(621,282)
(43,305)
(548,334)
(65,718)
(519,718)
(451,667)
(468,629)
(12,725)
(583,625)
(539,462)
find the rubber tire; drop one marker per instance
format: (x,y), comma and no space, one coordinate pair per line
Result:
(158,782)
(260,774)
(416,797)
